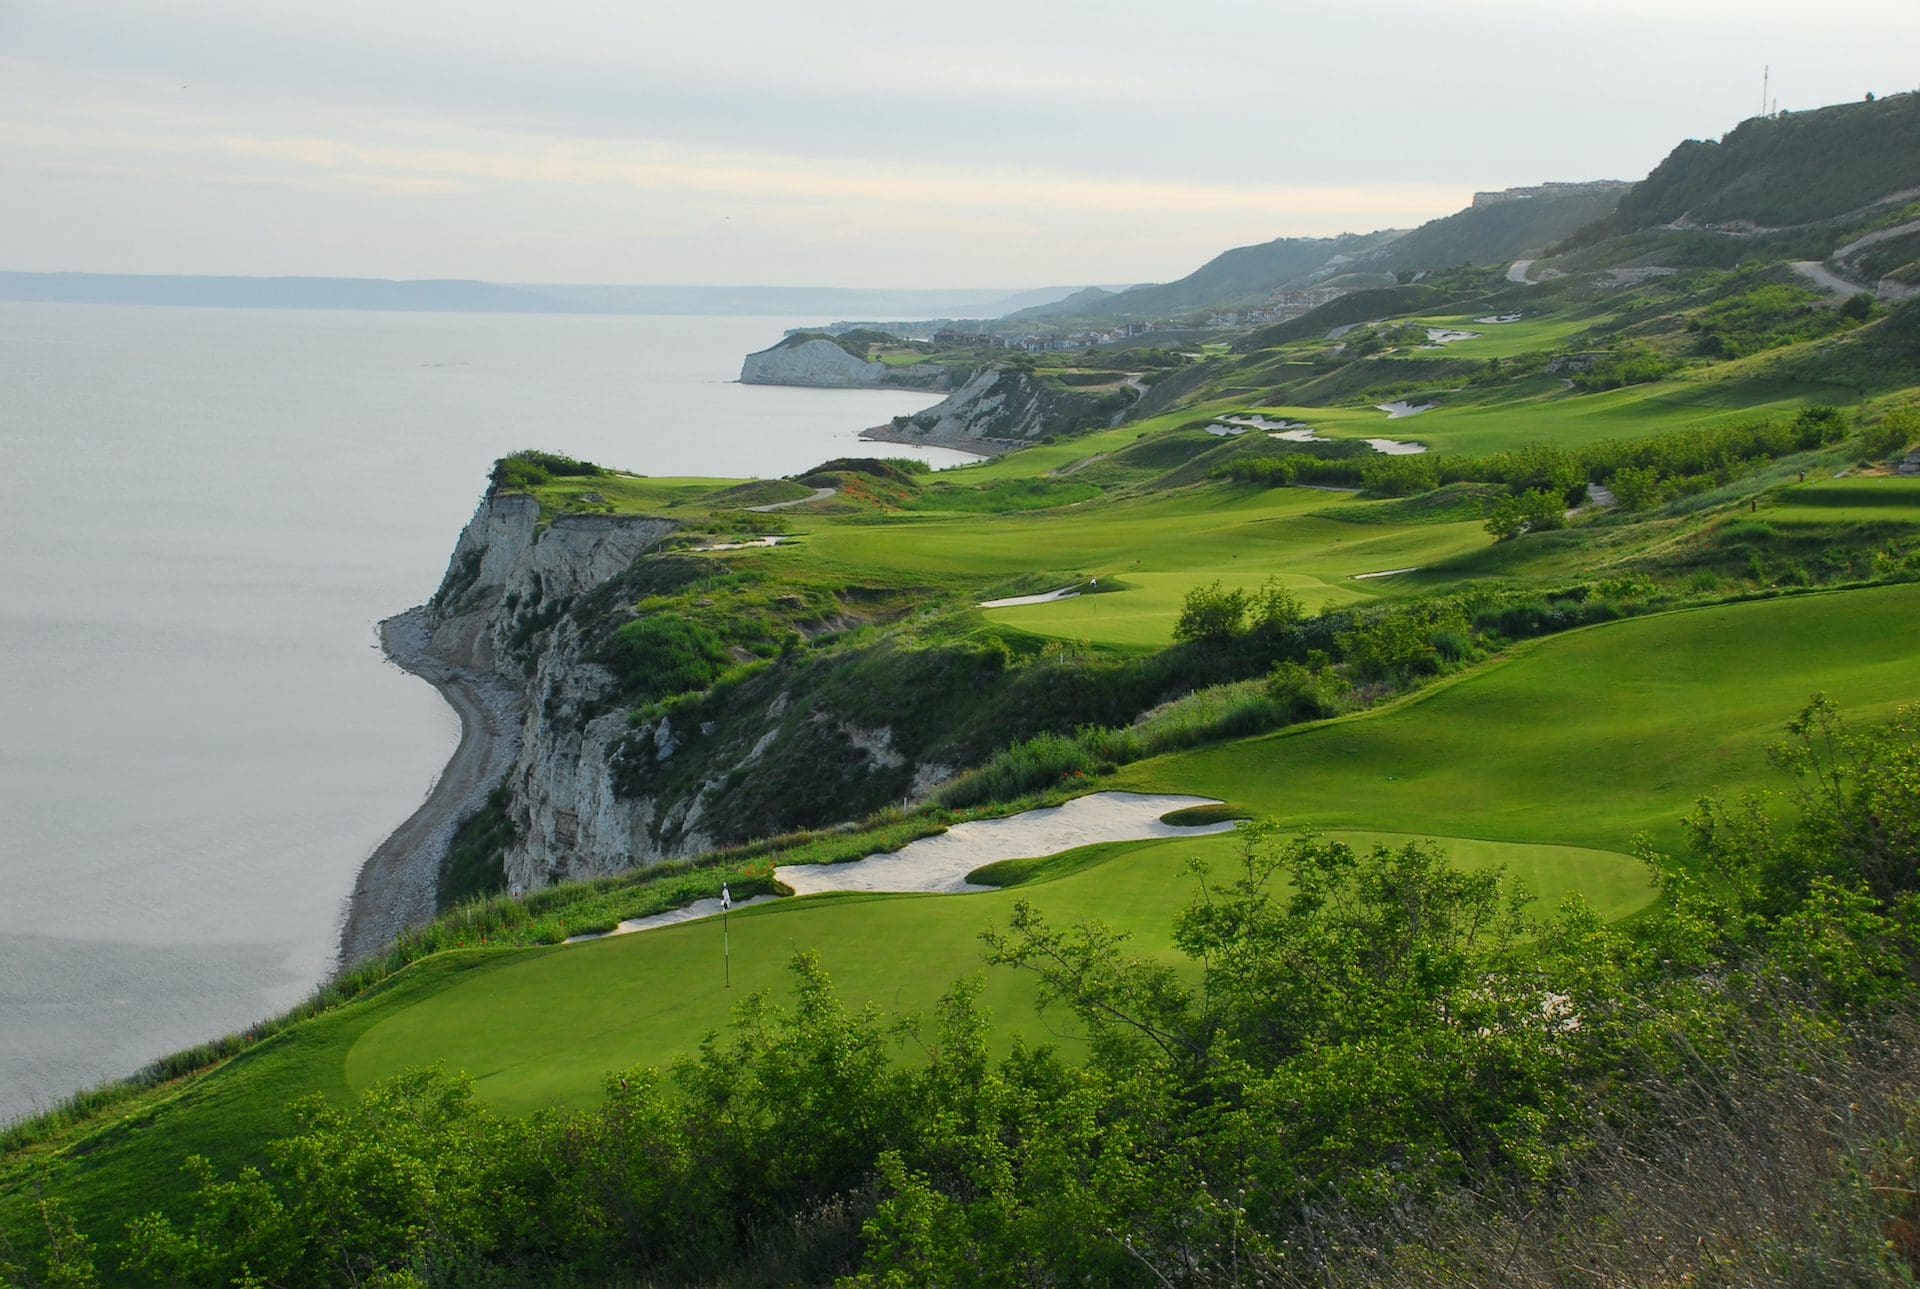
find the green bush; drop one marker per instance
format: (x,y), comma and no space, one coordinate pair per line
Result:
(528,469)
(1307,694)
(1897,430)
(1399,476)
(1212,614)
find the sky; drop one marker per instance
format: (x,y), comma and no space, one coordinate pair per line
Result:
(974,143)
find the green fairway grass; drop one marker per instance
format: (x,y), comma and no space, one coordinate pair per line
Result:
(1587,738)
(542,1027)
(1162,546)
(1548,761)
(1543,410)
(1501,339)
(1883,500)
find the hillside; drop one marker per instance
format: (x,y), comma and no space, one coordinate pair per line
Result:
(1780,171)
(1499,231)
(1243,275)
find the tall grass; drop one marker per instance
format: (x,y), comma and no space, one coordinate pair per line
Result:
(1048,761)
(1792,1161)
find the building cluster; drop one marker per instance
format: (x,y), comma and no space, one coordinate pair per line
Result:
(1078,340)
(1280,306)
(1545,190)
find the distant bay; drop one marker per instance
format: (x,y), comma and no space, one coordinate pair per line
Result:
(203,514)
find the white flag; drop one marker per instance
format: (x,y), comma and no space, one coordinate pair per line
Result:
(726,897)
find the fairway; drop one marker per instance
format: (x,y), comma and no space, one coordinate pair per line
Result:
(1883,500)
(542,1026)
(1550,761)
(1498,339)
(1544,410)
(1586,738)
(1160,547)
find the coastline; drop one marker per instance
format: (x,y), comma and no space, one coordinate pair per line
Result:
(986,449)
(397,886)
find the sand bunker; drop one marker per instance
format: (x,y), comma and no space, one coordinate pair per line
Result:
(1402,408)
(1438,337)
(1261,423)
(1015,601)
(1301,432)
(672,917)
(1497,318)
(941,863)
(740,546)
(1226,431)
(1387,572)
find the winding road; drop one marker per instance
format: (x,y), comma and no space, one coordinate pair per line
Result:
(819,494)
(1827,280)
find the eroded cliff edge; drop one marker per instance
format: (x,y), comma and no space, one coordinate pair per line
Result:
(525,638)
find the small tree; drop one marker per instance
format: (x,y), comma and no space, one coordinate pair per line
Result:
(1543,510)
(1211,613)
(1505,521)
(1635,486)
(1276,610)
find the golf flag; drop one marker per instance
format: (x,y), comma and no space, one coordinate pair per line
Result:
(726,898)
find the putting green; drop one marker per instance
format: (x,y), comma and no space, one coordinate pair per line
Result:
(542,1027)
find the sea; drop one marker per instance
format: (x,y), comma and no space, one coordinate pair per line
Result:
(203,515)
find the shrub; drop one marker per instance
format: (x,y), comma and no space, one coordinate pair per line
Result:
(1399,476)
(1891,437)
(1307,694)
(1211,614)
(529,469)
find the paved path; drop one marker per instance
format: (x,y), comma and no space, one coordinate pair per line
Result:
(819,494)
(1517,272)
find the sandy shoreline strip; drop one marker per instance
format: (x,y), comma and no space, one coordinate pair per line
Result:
(397,884)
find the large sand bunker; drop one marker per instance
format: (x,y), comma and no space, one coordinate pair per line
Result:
(940,864)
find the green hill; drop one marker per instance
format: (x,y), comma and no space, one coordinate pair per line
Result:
(1780,171)
(1500,231)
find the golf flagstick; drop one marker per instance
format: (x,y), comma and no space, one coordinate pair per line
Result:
(726,933)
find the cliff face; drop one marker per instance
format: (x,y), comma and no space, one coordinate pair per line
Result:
(507,571)
(822,363)
(504,609)
(590,793)
(1002,408)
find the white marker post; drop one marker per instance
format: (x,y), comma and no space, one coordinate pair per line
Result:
(726,933)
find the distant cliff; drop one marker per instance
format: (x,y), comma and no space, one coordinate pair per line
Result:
(1002,408)
(820,361)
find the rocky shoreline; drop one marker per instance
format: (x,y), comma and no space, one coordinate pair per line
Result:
(398,883)
(916,437)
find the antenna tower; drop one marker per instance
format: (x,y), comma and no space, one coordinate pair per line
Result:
(1766,73)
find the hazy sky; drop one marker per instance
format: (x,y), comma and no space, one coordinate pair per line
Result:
(968,143)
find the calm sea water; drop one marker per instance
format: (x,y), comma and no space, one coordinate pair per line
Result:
(202,515)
